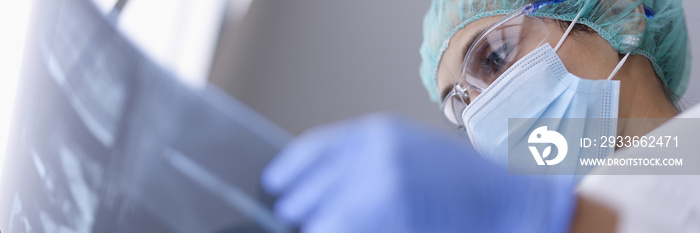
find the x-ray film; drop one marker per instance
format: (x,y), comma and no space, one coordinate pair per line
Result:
(103,140)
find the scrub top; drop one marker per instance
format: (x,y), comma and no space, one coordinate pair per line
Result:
(653,201)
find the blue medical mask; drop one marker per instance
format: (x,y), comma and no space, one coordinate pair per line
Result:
(538,86)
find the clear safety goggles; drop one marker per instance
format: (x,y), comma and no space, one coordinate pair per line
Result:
(491,54)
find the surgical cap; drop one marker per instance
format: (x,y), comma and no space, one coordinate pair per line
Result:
(664,41)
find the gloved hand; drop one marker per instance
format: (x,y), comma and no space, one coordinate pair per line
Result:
(385,174)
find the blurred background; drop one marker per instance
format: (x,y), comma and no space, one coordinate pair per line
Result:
(309,62)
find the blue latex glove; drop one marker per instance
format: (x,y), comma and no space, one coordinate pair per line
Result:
(385,174)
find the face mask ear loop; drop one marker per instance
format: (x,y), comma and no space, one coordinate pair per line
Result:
(568,30)
(619,65)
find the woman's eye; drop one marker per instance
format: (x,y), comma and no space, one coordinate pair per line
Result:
(497,59)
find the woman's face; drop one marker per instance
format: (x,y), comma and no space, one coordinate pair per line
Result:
(585,55)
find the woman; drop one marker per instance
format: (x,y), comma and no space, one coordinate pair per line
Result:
(468,46)
(385,174)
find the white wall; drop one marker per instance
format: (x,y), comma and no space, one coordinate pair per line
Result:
(306,62)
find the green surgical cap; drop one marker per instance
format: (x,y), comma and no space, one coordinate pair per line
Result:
(664,41)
